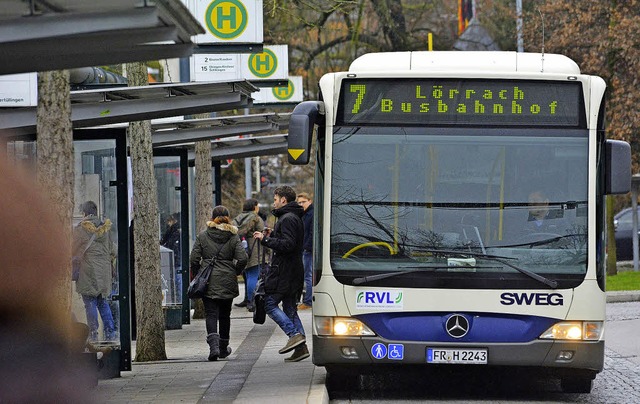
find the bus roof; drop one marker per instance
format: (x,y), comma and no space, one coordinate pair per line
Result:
(448,61)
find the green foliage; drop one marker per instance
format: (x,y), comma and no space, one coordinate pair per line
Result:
(601,36)
(499,18)
(326,36)
(629,280)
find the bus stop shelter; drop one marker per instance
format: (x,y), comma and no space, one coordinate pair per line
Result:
(40,35)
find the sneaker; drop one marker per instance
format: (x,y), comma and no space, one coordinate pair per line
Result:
(300,353)
(293,342)
(241,304)
(303,306)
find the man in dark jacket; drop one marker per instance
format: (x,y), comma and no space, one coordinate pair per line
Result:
(171,240)
(284,279)
(306,202)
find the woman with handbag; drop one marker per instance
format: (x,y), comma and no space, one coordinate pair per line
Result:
(220,247)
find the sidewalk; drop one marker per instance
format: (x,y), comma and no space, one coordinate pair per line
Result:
(254,372)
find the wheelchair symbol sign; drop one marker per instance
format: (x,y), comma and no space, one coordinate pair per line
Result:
(379,351)
(396,351)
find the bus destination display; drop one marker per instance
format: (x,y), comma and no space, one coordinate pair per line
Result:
(460,102)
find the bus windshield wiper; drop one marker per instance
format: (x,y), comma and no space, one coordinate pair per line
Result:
(550,240)
(371,278)
(549,282)
(503,260)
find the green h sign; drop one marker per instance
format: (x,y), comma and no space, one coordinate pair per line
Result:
(263,64)
(226,19)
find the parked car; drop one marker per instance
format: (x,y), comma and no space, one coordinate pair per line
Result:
(623,226)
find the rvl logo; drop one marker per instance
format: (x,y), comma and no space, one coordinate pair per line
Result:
(371,297)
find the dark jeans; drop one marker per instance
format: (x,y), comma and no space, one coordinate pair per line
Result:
(307,260)
(217,310)
(287,317)
(251,277)
(92,306)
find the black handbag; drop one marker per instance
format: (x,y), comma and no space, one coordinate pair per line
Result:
(259,312)
(198,286)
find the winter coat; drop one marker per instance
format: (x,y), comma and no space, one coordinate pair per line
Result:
(221,241)
(97,264)
(286,272)
(307,220)
(247,223)
(171,240)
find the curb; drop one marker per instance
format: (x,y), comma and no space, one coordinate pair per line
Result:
(623,296)
(318,393)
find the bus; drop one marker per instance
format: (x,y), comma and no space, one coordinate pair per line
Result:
(460,214)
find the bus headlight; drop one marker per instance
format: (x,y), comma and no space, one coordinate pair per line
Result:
(575,331)
(341,326)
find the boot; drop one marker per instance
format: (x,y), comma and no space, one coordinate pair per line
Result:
(213,340)
(225,349)
(301,352)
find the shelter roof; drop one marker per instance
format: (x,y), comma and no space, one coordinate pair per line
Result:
(125,104)
(231,137)
(40,35)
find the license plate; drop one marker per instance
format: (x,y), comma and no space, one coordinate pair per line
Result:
(457,356)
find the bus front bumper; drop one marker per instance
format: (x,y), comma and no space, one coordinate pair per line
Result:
(335,351)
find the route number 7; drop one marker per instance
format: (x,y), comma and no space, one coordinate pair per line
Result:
(361,89)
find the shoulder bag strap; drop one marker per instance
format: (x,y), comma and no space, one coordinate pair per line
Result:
(93,237)
(253,245)
(214,259)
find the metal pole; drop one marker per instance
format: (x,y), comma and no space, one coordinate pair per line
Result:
(247,177)
(634,215)
(519,25)
(256,170)
(247,170)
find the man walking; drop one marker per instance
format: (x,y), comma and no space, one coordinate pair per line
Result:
(307,256)
(283,281)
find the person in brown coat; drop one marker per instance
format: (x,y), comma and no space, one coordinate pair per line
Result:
(92,245)
(248,222)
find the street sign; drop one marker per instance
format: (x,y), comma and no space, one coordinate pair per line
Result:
(271,63)
(292,92)
(19,90)
(228,21)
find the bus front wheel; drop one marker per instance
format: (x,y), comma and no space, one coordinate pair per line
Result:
(576,385)
(341,380)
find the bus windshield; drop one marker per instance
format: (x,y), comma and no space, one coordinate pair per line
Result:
(443,200)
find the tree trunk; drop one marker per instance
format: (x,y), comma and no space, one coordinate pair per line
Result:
(150,320)
(204,198)
(55,172)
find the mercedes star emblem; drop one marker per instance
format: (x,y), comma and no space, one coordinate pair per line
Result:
(457,326)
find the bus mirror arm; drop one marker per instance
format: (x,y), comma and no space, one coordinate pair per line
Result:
(304,117)
(617,167)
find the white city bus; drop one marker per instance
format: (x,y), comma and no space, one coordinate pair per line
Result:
(460,213)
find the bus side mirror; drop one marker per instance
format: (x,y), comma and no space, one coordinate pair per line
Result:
(617,167)
(303,118)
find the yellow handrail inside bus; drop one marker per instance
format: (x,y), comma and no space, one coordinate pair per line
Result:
(392,251)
